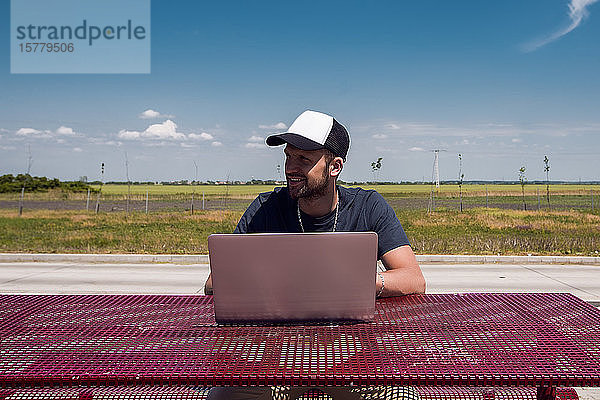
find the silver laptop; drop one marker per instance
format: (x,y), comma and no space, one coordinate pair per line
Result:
(293,277)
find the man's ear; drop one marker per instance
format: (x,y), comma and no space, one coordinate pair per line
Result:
(336,166)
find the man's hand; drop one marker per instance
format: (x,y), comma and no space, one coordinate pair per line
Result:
(208,289)
(403,275)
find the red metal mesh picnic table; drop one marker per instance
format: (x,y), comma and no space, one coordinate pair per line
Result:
(161,343)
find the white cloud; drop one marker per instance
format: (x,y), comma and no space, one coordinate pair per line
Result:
(112,143)
(475,130)
(30,132)
(4,130)
(63,130)
(165,130)
(77,149)
(216,144)
(152,114)
(156,144)
(516,140)
(578,11)
(410,127)
(8,148)
(123,134)
(416,149)
(277,126)
(187,146)
(255,145)
(149,113)
(255,138)
(380,136)
(202,136)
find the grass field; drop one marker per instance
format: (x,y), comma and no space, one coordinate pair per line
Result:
(76,232)
(476,231)
(184,192)
(209,190)
(253,190)
(57,222)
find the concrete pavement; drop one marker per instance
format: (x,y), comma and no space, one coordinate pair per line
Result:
(67,277)
(203,258)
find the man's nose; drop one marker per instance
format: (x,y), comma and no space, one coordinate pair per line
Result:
(291,167)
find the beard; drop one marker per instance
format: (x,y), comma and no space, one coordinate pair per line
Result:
(311,189)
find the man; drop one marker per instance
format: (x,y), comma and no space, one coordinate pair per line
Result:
(316,146)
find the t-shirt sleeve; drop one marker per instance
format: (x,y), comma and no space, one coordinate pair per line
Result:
(390,233)
(243,225)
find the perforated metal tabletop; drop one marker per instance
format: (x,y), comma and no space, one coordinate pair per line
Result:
(421,340)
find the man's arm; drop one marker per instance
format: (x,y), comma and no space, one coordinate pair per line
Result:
(403,275)
(208,289)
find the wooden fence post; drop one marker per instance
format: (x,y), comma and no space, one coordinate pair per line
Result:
(486,197)
(21,201)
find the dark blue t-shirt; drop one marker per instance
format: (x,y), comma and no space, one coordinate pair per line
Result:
(360,211)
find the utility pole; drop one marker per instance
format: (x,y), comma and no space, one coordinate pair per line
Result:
(460,179)
(29,164)
(128,182)
(194,189)
(100,190)
(435,178)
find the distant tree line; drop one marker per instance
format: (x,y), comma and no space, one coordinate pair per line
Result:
(14,184)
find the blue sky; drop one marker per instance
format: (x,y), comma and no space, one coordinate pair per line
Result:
(503,83)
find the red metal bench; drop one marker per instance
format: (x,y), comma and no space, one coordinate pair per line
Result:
(184,393)
(94,344)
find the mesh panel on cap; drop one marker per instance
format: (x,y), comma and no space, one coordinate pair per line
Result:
(338,140)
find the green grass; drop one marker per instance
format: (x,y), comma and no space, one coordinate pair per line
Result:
(506,232)
(210,190)
(79,232)
(476,231)
(183,192)
(253,190)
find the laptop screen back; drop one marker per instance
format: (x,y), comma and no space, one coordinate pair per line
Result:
(288,277)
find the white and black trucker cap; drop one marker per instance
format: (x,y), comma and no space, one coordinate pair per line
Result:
(313,131)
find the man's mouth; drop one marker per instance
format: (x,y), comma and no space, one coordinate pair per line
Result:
(294,181)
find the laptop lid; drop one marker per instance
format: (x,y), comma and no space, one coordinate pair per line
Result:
(288,277)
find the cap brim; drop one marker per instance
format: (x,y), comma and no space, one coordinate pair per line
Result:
(295,140)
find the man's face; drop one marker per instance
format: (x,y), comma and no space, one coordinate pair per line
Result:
(307,172)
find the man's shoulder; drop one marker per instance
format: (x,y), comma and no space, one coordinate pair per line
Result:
(352,194)
(277,194)
(278,197)
(264,212)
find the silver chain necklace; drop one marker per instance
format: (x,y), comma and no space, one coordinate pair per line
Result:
(337,208)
